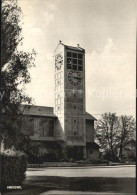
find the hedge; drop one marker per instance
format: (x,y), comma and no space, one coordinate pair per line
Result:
(96,161)
(13,168)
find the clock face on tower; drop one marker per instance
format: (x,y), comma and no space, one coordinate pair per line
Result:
(58,61)
(75,77)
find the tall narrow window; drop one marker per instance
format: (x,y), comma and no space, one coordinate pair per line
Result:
(80,56)
(74,55)
(68,66)
(80,62)
(69,54)
(80,68)
(74,67)
(69,61)
(74,61)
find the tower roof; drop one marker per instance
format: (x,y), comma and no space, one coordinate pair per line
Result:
(75,48)
(78,48)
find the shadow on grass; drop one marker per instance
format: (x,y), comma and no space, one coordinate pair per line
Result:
(39,184)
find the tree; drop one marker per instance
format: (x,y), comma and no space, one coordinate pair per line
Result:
(115,133)
(105,134)
(15,66)
(26,131)
(126,134)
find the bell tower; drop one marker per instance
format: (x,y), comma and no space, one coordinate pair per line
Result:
(70,95)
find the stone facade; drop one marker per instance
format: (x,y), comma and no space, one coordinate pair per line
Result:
(89,130)
(42,124)
(69,125)
(70,94)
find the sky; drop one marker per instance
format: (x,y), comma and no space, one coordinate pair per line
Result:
(106,29)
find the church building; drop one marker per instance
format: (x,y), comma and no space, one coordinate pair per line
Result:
(67,129)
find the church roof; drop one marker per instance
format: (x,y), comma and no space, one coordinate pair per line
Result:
(45,111)
(90,117)
(37,110)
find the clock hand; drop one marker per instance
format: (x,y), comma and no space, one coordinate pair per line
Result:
(77,77)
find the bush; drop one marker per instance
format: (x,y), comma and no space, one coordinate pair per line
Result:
(33,159)
(111,157)
(132,157)
(50,157)
(99,161)
(96,161)
(13,168)
(75,153)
